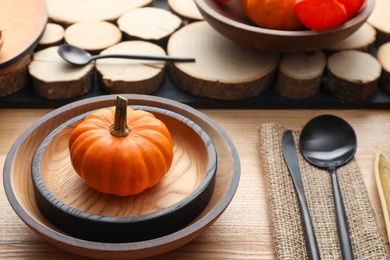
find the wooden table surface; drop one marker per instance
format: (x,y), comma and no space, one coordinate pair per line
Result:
(243,231)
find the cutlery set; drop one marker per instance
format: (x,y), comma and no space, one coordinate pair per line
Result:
(327,142)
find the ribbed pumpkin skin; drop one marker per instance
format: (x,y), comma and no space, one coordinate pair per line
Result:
(121,165)
(272,14)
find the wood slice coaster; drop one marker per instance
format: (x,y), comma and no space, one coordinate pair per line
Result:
(149,24)
(223,69)
(93,36)
(67,12)
(361,40)
(300,74)
(186,9)
(383,56)
(54,78)
(53,35)
(14,77)
(380,20)
(352,76)
(131,76)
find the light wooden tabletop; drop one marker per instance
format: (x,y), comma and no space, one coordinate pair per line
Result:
(243,231)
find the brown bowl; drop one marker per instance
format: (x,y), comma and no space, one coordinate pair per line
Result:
(19,187)
(230,20)
(83,212)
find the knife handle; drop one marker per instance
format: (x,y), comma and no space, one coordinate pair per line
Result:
(308,230)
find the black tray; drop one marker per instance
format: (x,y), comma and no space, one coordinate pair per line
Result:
(26,98)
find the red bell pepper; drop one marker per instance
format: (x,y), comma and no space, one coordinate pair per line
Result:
(325,14)
(320,14)
(352,6)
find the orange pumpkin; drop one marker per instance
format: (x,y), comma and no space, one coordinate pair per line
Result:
(272,14)
(121,151)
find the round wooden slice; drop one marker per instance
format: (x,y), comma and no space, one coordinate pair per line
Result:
(362,40)
(186,9)
(14,77)
(352,76)
(93,36)
(53,35)
(223,69)
(68,12)
(300,74)
(54,78)
(131,76)
(380,20)
(383,56)
(149,24)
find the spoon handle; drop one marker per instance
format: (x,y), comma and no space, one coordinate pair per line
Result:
(291,158)
(143,57)
(342,225)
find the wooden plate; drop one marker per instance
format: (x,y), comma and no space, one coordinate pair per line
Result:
(22,23)
(19,187)
(77,209)
(230,20)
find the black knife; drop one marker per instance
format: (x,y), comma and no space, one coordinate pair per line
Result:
(291,159)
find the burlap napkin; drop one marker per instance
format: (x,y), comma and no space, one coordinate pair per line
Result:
(287,229)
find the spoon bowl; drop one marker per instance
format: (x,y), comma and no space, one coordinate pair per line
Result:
(328,142)
(80,57)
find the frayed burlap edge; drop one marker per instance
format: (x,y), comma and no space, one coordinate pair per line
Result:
(367,243)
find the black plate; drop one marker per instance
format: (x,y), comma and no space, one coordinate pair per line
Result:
(124,229)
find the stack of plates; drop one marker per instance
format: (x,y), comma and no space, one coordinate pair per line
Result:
(42,186)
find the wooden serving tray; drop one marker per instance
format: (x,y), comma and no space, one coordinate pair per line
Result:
(270,99)
(22,23)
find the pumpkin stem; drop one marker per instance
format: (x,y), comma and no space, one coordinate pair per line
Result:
(120,128)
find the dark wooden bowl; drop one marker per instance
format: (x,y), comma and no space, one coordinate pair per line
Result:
(230,20)
(19,186)
(83,212)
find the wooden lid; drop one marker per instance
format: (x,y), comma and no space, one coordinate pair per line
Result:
(22,24)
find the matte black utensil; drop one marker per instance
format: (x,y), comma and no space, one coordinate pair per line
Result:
(328,142)
(291,159)
(80,57)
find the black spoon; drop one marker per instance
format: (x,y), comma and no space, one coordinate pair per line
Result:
(328,142)
(80,57)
